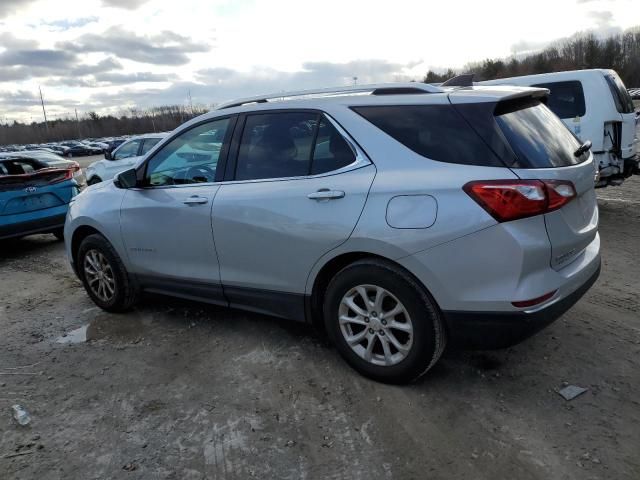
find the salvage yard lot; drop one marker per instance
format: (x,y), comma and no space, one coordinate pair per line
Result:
(182,390)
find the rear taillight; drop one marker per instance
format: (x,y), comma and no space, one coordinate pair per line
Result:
(507,200)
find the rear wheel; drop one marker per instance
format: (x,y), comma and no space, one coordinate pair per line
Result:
(104,276)
(383,323)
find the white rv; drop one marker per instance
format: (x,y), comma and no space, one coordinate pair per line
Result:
(596,106)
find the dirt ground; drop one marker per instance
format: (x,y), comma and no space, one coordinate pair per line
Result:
(188,391)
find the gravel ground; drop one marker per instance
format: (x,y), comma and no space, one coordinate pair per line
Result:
(188,391)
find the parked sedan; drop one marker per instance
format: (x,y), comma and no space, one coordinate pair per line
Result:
(35,196)
(79,150)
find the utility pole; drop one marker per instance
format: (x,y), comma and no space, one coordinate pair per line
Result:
(44,112)
(355,80)
(77,123)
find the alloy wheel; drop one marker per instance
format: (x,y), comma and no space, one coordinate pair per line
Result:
(99,275)
(376,325)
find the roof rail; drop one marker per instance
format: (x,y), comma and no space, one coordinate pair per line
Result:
(373,89)
(464,80)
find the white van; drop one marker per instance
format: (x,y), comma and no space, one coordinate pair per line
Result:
(596,106)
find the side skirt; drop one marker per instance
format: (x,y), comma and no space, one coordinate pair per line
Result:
(290,306)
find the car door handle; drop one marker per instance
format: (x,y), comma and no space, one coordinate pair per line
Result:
(195,200)
(326,194)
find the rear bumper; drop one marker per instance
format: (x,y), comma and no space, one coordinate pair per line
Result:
(491,330)
(20,229)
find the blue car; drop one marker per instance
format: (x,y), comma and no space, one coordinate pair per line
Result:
(35,194)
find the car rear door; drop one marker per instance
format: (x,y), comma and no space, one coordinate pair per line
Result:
(297,188)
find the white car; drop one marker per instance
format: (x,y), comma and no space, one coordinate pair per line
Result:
(122,158)
(595,106)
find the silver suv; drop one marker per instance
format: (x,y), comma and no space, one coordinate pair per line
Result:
(400,217)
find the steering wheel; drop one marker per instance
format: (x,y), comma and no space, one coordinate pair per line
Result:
(200,171)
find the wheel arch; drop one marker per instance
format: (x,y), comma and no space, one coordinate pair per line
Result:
(79,234)
(331,268)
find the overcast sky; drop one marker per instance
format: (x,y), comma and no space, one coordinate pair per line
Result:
(107,55)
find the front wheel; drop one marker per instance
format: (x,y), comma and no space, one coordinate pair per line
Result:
(383,323)
(104,275)
(93,180)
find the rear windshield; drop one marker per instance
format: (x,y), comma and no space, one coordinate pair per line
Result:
(536,135)
(437,132)
(621,97)
(566,99)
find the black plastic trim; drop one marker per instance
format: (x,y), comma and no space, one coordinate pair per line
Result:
(177,287)
(278,304)
(492,330)
(21,229)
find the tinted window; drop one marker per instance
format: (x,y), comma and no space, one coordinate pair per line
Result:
(191,157)
(129,149)
(621,97)
(566,99)
(148,144)
(276,145)
(437,132)
(537,136)
(331,150)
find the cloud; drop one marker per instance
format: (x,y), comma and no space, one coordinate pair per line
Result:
(20,99)
(165,48)
(126,78)
(26,64)
(216,85)
(10,42)
(8,7)
(68,24)
(128,4)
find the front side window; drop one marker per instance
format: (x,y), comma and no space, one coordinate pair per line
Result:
(566,99)
(191,157)
(148,144)
(129,149)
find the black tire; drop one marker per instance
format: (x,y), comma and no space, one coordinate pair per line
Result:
(125,291)
(94,180)
(429,337)
(59,233)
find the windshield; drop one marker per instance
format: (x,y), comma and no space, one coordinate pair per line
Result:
(537,136)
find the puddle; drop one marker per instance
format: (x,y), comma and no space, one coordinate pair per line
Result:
(108,327)
(79,335)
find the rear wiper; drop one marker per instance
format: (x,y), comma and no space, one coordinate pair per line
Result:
(585,147)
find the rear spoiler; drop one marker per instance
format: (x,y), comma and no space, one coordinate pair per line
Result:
(44,176)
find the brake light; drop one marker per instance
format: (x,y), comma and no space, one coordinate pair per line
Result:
(71,172)
(507,200)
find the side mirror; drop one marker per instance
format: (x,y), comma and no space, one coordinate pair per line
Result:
(107,155)
(126,179)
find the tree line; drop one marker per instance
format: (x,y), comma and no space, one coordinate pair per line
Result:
(94,125)
(582,51)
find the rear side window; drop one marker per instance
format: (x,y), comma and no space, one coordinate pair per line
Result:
(621,97)
(331,150)
(290,144)
(537,136)
(566,99)
(437,132)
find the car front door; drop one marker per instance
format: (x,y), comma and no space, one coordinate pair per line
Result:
(166,224)
(298,188)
